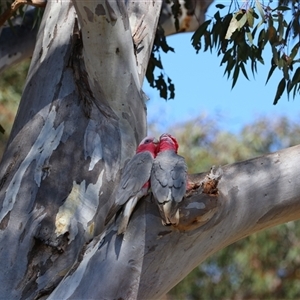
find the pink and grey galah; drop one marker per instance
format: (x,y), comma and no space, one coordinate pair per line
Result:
(168,179)
(134,183)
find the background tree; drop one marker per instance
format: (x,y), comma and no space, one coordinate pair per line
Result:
(72,135)
(11,85)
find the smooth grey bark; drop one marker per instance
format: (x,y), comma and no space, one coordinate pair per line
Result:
(43,136)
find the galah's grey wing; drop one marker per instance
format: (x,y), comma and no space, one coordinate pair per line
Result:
(160,177)
(168,184)
(135,174)
(179,178)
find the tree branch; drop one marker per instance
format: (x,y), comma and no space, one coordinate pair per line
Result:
(151,258)
(108,45)
(16,4)
(18,43)
(143,28)
(189,18)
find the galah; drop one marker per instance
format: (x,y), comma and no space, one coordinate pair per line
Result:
(135,182)
(168,179)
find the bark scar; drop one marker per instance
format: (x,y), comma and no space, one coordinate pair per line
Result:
(209,184)
(201,200)
(111,13)
(211,181)
(138,36)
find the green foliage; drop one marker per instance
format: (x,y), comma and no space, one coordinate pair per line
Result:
(13,79)
(176,11)
(11,87)
(241,34)
(162,82)
(264,265)
(165,86)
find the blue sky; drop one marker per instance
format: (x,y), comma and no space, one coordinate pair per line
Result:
(201,88)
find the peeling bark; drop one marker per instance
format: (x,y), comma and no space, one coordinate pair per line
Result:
(72,135)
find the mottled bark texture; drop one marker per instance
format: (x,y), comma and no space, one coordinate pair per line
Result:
(81,116)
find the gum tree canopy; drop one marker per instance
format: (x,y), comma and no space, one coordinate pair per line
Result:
(80,119)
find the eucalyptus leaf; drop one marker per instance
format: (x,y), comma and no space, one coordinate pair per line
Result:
(280,89)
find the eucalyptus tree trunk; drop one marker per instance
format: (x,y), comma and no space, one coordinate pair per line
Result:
(80,118)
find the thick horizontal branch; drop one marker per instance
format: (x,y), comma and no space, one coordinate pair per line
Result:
(251,196)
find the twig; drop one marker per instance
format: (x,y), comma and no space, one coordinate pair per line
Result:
(16,4)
